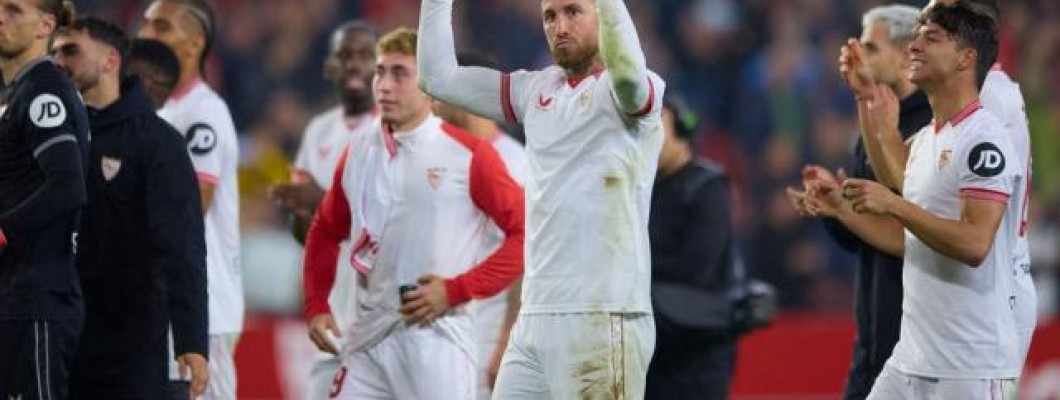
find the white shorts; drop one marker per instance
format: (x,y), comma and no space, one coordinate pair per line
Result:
(895,385)
(577,355)
(410,363)
(322,377)
(222,367)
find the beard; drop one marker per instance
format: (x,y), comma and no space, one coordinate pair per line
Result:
(578,58)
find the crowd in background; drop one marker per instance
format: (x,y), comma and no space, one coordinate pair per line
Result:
(761,73)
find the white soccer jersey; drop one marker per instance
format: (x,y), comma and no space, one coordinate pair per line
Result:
(203,118)
(588,190)
(325,141)
(957,321)
(416,203)
(1002,97)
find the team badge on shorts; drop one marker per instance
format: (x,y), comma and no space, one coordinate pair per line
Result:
(944,158)
(110,167)
(434,176)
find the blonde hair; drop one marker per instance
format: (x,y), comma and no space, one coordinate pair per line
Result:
(401,40)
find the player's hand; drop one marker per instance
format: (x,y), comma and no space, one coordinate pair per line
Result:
(855,71)
(822,191)
(301,196)
(427,302)
(200,372)
(798,201)
(319,326)
(869,197)
(883,111)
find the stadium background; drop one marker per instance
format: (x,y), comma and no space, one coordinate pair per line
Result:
(762,75)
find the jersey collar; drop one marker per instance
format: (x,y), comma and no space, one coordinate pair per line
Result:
(573,82)
(960,116)
(186,88)
(29,66)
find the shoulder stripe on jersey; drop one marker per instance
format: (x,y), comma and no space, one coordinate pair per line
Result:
(961,115)
(463,137)
(53,141)
(506,99)
(985,194)
(208,178)
(647,105)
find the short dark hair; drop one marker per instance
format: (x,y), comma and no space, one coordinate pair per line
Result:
(686,120)
(204,14)
(105,32)
(475,58)
(158,57)
(972,28)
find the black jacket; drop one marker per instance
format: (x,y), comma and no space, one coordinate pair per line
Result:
(878,279)
(143,253)
(692,251)
(43,145)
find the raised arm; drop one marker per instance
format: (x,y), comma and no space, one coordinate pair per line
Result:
(475,89)
(623,57)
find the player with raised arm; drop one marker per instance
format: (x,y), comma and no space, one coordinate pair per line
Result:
(957,225)
(878,112)
(43,147)
(350,65)
(198,113)
(593,131)
(417,196)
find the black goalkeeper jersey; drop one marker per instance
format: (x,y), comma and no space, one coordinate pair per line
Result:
(43,146)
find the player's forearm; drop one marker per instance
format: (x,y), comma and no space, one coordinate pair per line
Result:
(622,55)
(474,89)
(886,159)
(883,233)
(63,191)
(319,267)
(961,240)
(492,276)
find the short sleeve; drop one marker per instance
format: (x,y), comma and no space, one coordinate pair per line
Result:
(209,127)
(988,166)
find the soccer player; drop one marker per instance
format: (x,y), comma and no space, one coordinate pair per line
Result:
(43,145)
(1001,96)
(957,225)
(593,131)
(140,185)
(496,315)
(157,66)
(416,196)
(886,33)
(188,26)
(350,65)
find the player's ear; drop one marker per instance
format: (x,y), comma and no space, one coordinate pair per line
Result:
(968,57)
(47,26)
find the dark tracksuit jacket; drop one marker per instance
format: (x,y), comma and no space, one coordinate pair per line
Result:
(878,278)
(143,253)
